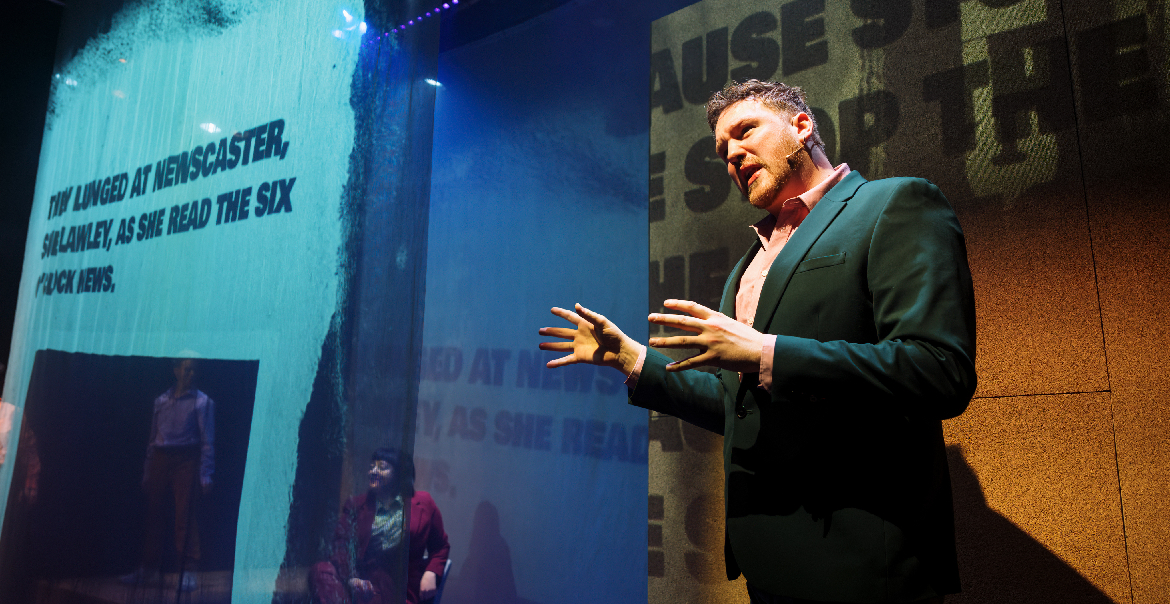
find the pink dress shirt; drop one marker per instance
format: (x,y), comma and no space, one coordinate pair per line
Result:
(774,231)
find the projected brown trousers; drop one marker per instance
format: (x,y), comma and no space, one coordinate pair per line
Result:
(172,471)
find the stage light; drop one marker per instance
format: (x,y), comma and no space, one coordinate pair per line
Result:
(435,11)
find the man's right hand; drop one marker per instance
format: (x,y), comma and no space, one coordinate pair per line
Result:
(594,340)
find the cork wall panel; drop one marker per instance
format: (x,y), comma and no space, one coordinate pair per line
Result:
(987,114)
(1037,512)
(1132,242)
(1038,320)
(686,518)
(1122,82)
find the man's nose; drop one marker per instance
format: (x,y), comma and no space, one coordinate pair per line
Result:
(735,154)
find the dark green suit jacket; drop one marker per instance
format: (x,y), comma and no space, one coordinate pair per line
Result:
(836,481)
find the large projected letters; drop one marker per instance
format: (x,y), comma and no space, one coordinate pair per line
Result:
(271,198)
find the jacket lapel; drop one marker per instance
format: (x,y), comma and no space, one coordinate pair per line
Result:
(727,306)
(797,247)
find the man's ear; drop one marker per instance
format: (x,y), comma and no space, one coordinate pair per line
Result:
(803,124)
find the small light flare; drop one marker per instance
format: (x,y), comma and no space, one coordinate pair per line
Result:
(210,127)
(120,94)
(337,33)
(362,28)
(434,83)
(348,17)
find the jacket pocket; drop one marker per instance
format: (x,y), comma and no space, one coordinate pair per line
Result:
(820,262)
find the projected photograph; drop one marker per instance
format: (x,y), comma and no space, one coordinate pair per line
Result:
(129,475)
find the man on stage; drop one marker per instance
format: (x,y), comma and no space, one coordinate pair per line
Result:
(180,461)
(843,338)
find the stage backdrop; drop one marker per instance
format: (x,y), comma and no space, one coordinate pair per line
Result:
(1045,124)
(206,177)
(537,200)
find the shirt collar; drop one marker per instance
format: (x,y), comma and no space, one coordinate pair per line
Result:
(391,506)
(810,198)
(188,393)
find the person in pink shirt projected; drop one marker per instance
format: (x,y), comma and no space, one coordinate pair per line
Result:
(180,462)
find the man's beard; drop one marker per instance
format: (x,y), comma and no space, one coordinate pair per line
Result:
(764,194)
(763,198)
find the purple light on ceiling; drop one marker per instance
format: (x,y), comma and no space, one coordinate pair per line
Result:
(436,11)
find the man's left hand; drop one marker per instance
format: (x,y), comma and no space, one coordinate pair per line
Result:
(426,589)
(722,341)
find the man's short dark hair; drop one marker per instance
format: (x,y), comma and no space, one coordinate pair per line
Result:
(777,96)
(403,463)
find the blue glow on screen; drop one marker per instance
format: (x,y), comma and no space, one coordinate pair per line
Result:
(538,198)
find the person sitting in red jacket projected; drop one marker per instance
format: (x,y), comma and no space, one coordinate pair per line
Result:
(368,540)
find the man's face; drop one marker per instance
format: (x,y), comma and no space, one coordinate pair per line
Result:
(185,374)
(756,142)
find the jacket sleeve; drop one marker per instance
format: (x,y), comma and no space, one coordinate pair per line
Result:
(438,548)
(206,417)
(696,397)
(150,441)
(922,362)
(345,539)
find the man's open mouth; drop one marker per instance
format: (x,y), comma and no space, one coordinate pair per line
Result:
(750,174)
